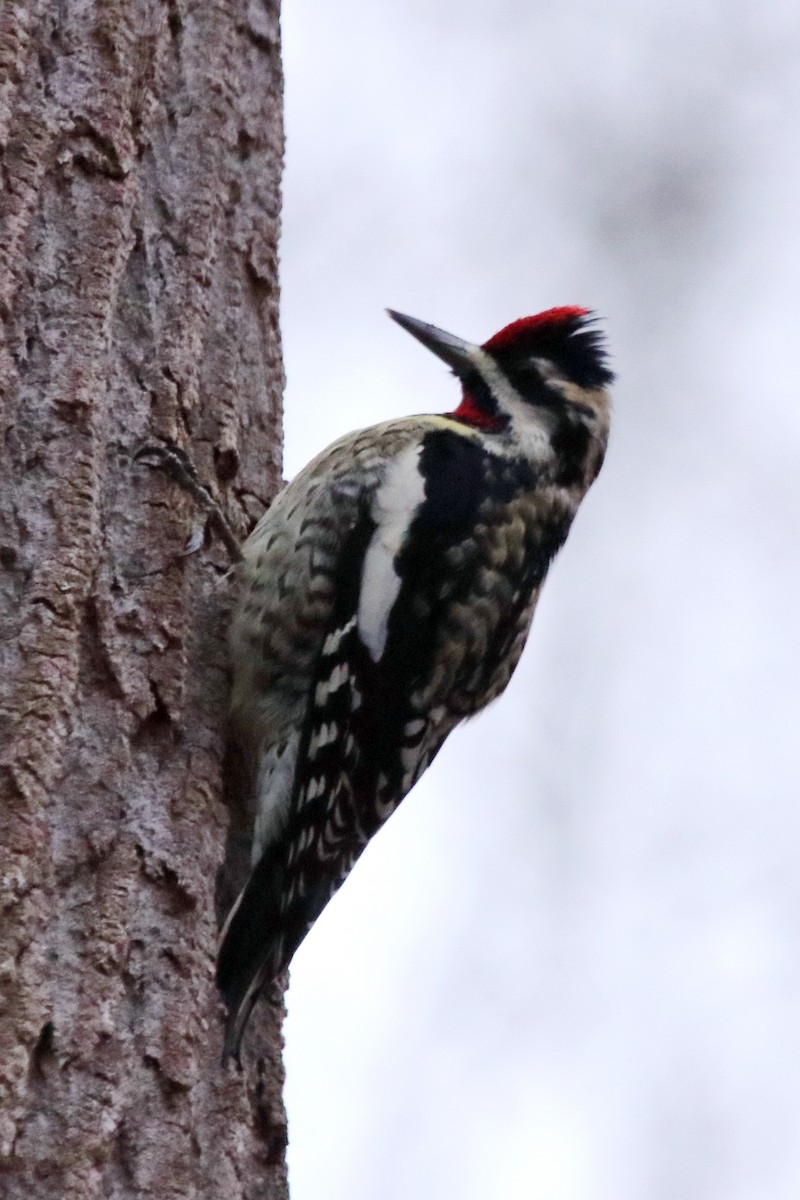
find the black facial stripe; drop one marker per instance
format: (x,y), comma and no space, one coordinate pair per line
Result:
(526,380)
(479,390)
(575,349)
(571,443)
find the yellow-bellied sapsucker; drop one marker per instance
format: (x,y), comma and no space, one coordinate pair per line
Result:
(386,595)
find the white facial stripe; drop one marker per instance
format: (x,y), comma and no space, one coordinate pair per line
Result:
(548,370)
(396,503)
(492,376)
(531,425)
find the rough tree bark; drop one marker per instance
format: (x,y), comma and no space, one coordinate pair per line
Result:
(141,147)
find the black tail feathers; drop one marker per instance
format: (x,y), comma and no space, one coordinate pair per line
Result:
(273,914)
(251,952)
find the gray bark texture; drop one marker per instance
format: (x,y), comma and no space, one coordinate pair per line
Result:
(140,150)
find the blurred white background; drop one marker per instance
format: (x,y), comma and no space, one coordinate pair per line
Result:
(569,967)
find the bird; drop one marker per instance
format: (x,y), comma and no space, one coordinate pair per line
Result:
(384,597)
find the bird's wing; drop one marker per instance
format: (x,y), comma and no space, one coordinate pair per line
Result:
(409,626)
(302,673)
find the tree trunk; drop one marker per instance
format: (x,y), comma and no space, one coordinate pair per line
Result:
(141,147)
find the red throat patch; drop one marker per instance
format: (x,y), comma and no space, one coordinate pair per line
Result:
(469,412)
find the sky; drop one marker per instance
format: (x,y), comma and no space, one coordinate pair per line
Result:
(568,968)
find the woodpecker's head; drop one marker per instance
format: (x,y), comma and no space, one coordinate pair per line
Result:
(540,379)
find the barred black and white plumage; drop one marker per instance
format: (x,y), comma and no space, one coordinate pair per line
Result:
(387,595)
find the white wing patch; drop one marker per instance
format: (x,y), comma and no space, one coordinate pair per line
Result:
(396,503)
(334,640)
(328,687)
(324,736)
(274,792)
